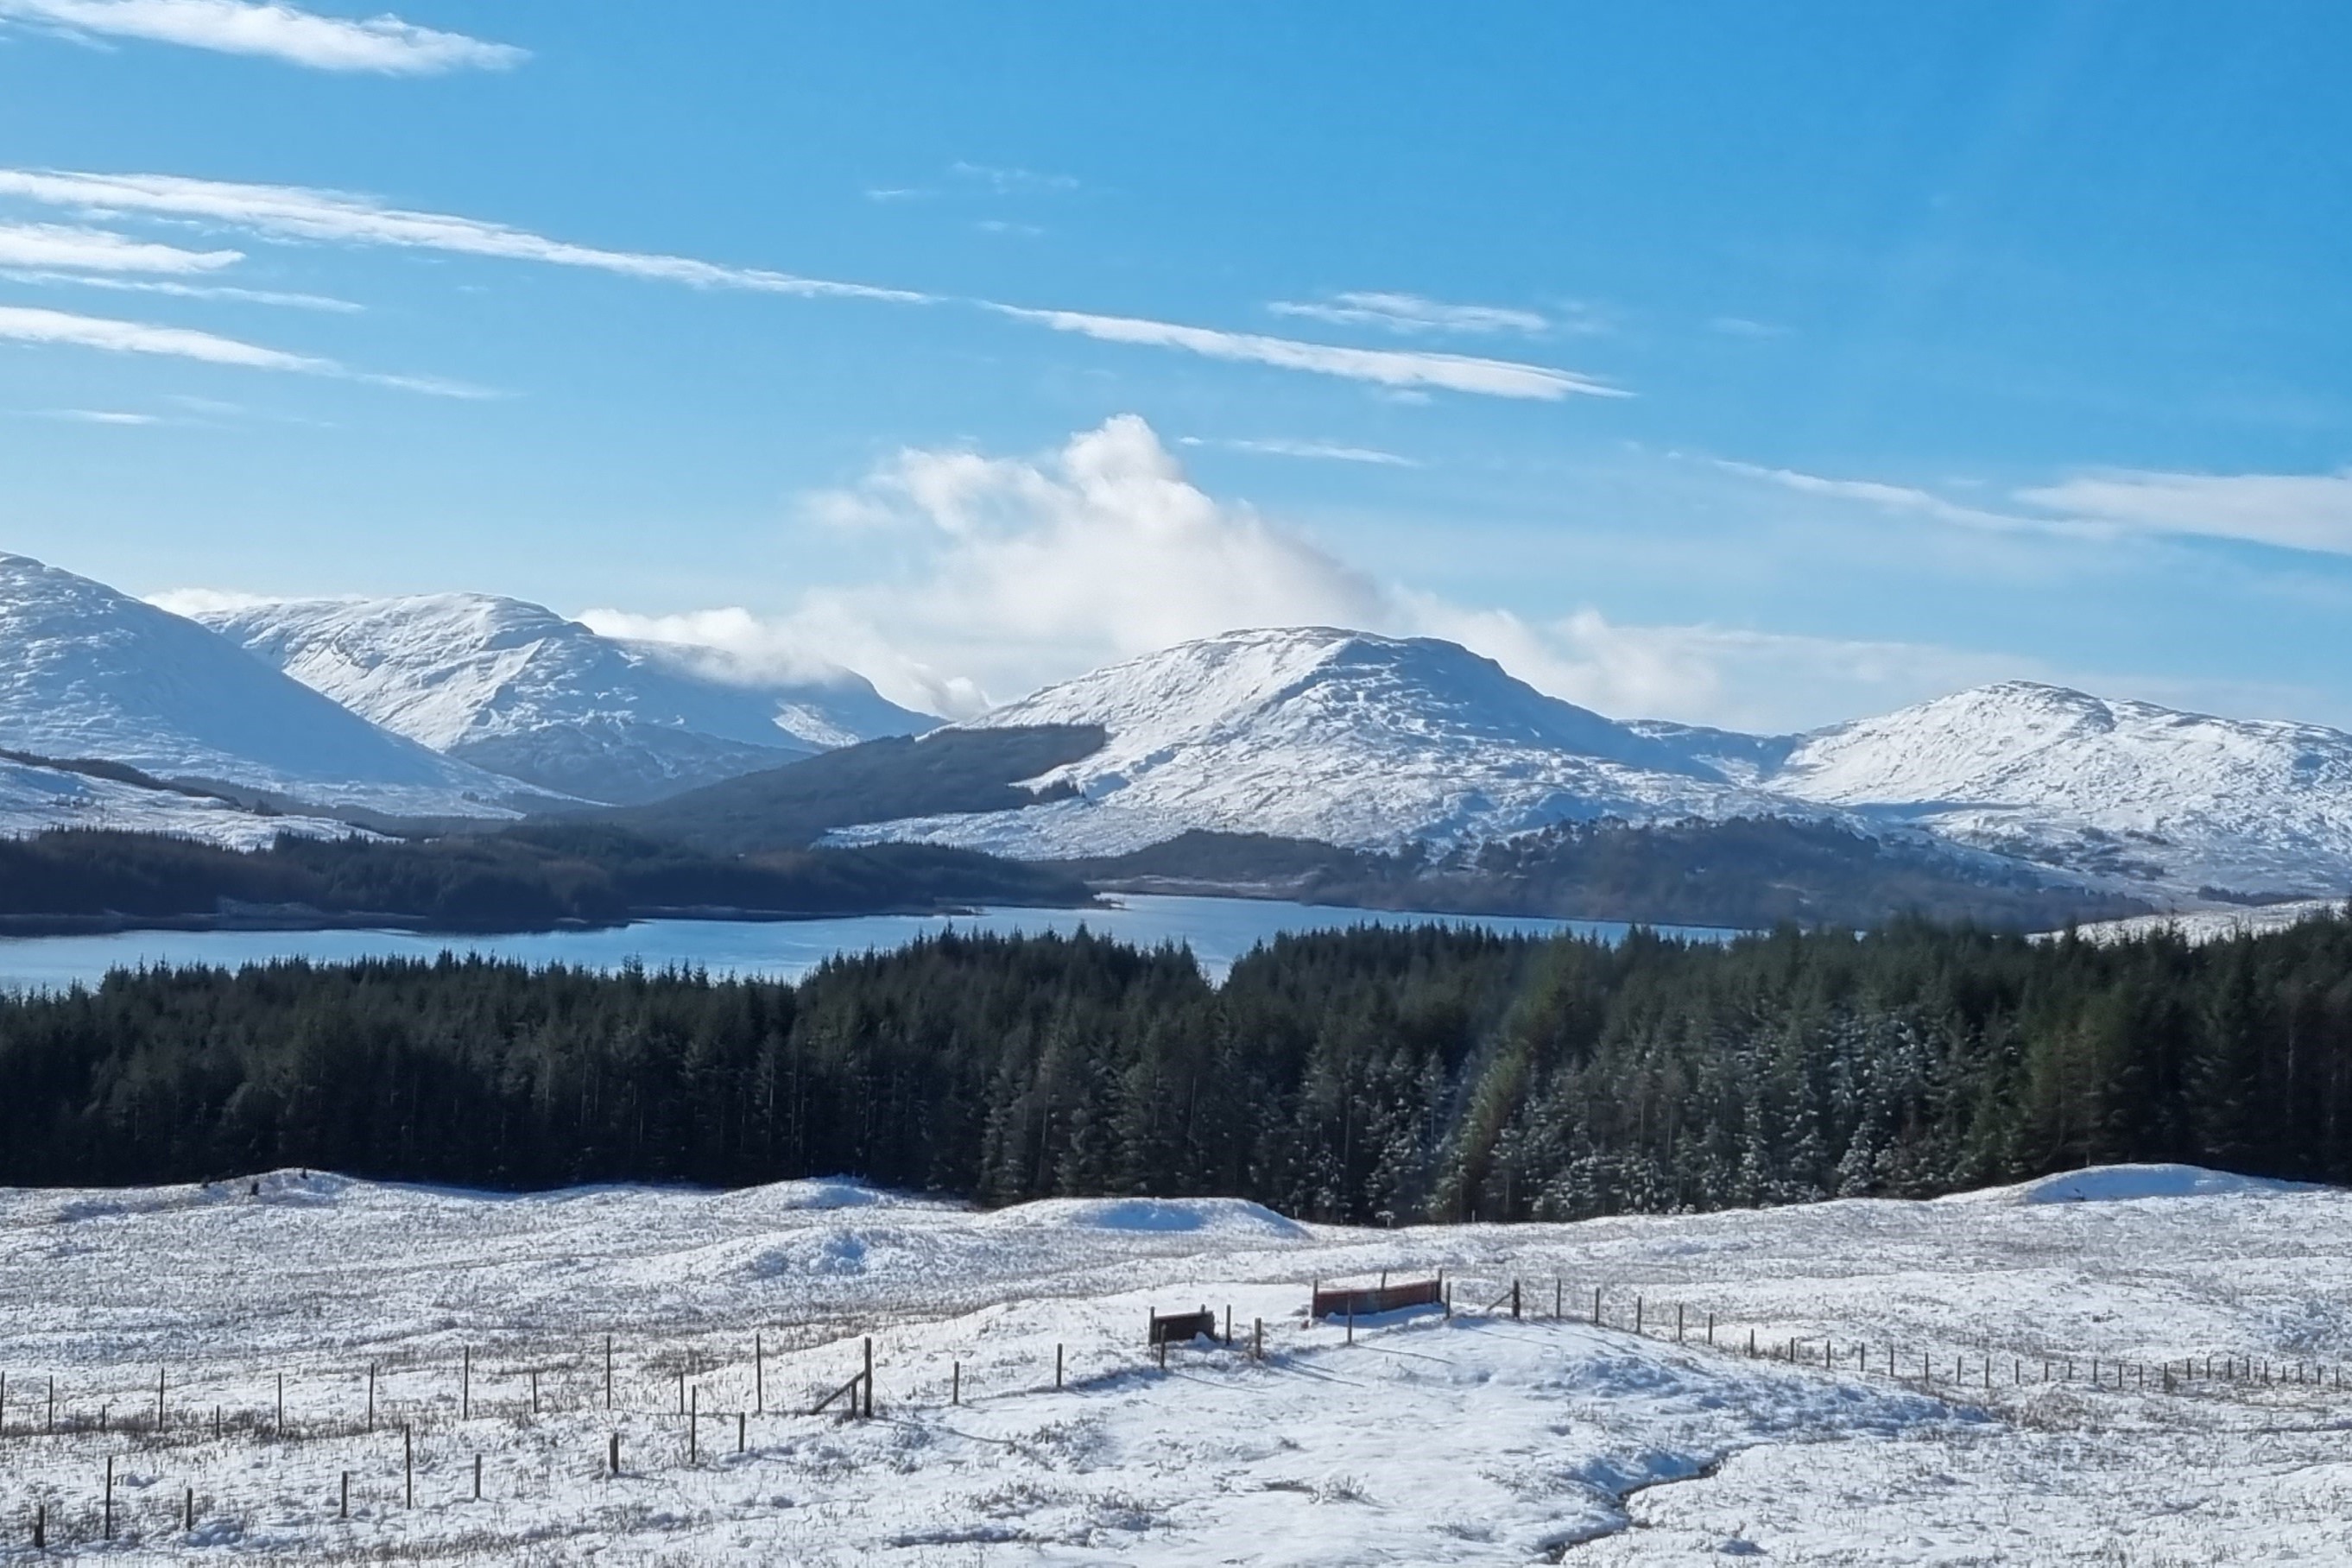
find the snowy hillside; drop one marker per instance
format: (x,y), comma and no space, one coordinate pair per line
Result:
(33,799)
(2124,1366)
(516,689)
(1375,742)
(1340,737)
(2135,797)
(87,672)
(2215,924)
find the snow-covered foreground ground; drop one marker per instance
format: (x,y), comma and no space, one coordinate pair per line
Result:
(1473,1438)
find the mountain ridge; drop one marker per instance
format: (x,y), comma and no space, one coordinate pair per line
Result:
(1415,741)
(512,686)
(92,672)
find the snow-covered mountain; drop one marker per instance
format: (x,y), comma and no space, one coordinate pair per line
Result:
(2127,794)
(514,687)
(1375,742)
(89,672)
(1336,736)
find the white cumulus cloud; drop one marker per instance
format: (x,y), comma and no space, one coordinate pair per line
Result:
(383,45)
(1020,572)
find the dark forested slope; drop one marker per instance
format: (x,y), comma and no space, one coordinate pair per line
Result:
(523,879)
(1372,1075)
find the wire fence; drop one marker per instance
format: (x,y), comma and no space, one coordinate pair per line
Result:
(660,1408)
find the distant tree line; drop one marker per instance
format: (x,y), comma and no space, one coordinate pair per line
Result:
(1372,1076)
(521,878)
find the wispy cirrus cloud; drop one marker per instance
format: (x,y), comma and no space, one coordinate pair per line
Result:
(385,46)
(1384,367)
(1324,451)
(1413,314)
(295,213)
(185,290)
(55,247)
(101,416)
(20,324)
(2291,511)
(2297,512)
(1007,180)
(1918,502)
(305,212)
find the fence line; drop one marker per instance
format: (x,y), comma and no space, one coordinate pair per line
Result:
(171,1414)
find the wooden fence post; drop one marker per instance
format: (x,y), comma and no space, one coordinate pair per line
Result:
(742,1431)
(759,1376)
(1515,1300)
(159,1399)
(869,1379)
(41,1527)
(466,1382)
(955,1383)
(478,1477)
(1057,1366)
(371,1415)
(343,1508)
(408,1465)
(1258,1339)
(694,1425)
(534,1391)
(613,1455)
(1710,1328)
(110,1496)
(1679,1323)
(1637,1314)
(280,1430)
(188,1511)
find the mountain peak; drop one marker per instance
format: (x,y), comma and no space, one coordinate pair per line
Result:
(513,687)
(1342,736)
(92,672)
(2137,795)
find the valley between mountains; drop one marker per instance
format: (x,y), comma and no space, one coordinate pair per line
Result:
(484,738)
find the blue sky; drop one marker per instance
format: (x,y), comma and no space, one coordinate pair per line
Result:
(1745,365)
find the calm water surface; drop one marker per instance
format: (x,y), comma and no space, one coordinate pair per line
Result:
(1219,930)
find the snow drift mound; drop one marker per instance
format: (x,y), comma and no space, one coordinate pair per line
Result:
(2129,1184)
(1236,1217)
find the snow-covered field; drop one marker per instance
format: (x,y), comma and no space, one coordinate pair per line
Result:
(2215,925)
(1473,1438)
